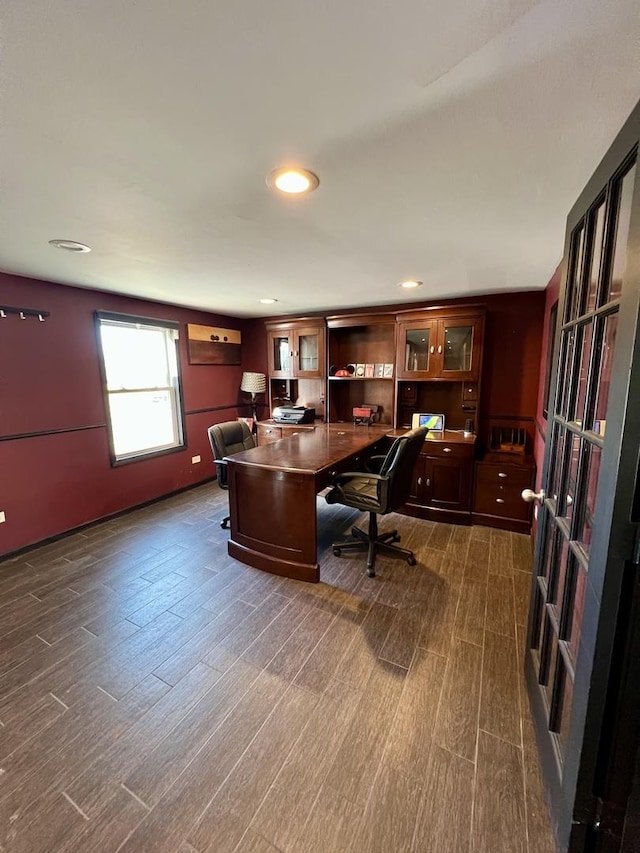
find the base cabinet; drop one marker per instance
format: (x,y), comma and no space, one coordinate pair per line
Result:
(441,487)
(497,500)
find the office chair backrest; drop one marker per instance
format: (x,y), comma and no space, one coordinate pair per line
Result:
(226,439)
(398,467)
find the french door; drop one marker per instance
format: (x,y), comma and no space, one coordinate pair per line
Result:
(583,643)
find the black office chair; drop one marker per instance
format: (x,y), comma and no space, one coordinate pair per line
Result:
(226,439)
(379,494)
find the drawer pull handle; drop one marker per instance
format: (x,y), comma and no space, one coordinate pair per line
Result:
(446,450)
(502,475)
(499,501)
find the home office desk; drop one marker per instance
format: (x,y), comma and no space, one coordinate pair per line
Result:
(273,488)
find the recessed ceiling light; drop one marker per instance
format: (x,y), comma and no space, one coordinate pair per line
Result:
(267,301)
(293,181)
(70,246)
(410,283)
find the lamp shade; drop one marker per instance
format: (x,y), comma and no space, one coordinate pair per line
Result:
(254,383)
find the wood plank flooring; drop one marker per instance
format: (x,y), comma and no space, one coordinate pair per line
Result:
(156,695)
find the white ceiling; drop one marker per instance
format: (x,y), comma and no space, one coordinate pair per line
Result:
(450,138)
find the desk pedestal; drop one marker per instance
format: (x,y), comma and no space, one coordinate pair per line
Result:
(273,521)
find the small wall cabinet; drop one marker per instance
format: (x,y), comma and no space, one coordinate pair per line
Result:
(440,344)
(297,349)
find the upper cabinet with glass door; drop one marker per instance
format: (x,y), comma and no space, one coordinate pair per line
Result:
(442,343)
(297,349)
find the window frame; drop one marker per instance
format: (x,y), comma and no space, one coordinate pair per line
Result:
(177,398)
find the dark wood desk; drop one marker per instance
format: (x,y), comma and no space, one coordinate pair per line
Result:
(272,495)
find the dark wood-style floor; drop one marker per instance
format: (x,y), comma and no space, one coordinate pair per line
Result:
(156,695)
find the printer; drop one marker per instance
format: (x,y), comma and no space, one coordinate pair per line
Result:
(294,415)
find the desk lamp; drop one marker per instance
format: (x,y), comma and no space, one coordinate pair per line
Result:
(253,383)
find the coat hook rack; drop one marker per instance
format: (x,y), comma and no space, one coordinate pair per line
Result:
(23,313)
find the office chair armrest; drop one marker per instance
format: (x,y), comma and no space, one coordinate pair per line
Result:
(374,463)
(349,475)
(222,462)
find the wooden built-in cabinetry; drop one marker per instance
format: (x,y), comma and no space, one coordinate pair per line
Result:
(355,341)
(427,360)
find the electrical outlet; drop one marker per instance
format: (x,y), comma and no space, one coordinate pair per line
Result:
(3,517)
(195,459)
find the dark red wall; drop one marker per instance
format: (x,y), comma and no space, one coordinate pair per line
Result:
(50,382)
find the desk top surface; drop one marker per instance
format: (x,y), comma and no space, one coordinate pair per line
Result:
(310,451)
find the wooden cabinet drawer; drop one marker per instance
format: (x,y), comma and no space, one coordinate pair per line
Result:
(510,475)
(501,500)
(268,433)
(442,450)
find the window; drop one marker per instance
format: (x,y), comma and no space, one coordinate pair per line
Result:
(142,386)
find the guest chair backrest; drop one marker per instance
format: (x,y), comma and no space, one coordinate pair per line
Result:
(226,439)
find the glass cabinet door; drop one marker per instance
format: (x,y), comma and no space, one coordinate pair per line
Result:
(416,351)
(457,348)
(308,353)
(281,353)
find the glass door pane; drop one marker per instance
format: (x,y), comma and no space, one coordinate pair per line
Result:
(457,348)
(308,352)
(418,348)
(624,195)
(596,257)
(281,353)
(607,341)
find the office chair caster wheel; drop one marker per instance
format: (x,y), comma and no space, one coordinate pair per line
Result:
(411,560)
(371,573)
(337,552)
(396,538)
(223,525)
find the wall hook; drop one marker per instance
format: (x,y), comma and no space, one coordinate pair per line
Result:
(41,318)
(22,315)
(2,314)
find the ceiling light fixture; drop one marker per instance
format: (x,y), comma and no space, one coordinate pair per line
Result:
(293,181)
(70,246)
(410,283)
(267,301)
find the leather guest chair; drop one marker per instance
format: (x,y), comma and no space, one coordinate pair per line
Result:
(379,494)
(226,439)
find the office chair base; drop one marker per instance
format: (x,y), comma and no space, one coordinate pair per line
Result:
(372,543)
(225,522)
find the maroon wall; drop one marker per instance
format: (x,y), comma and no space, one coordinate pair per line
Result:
(50,383)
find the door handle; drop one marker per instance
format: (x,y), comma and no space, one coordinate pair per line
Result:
(428,482)
(419,481)
(529,495)
(432,350)
(440,350)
